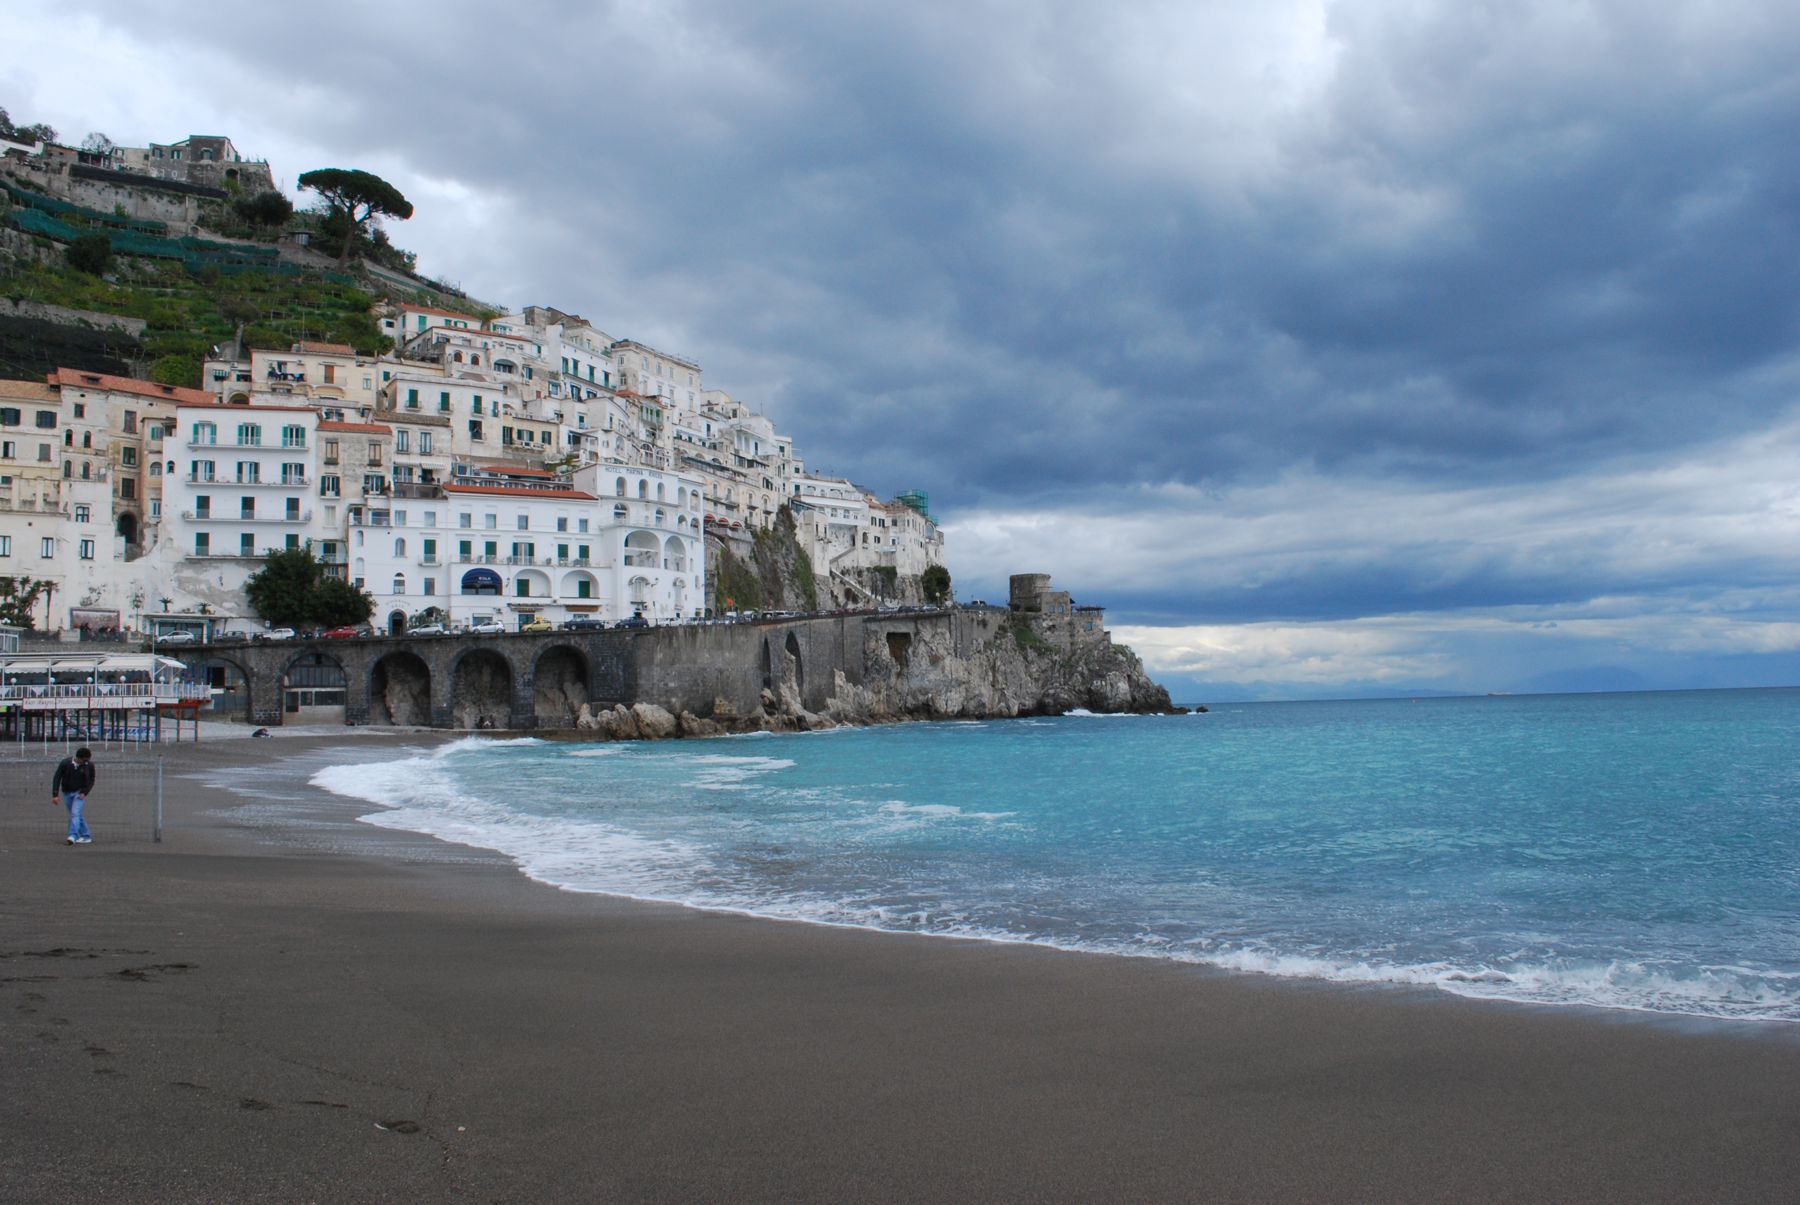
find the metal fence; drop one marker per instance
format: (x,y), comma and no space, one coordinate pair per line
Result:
(126,804)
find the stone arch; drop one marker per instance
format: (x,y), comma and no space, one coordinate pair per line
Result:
(559,686)
(127,526)
(791,646)
(230,682)
(643,550)
(531,583)
(314,689)
(396,622)
(575,579)
(400,690)
(768,669)
(675,554)
(481,690)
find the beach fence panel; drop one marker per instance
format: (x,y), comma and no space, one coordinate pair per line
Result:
(126,805)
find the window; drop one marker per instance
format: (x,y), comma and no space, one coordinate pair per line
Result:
(293,437)
(412,399)
(202,544)
(156,508)
(127,488)
(374,453)
(399,583)
(424,443)
(249,472)
(5,545)
(87,550)
(443,403)
(478,404)
(464,550)
(562,553)
(128,457)
(83,512)
(9,449)
(428,586)
(331,451)
(328,486)
(431,518)
(465,520)
(490,550)
(249,435)
(399,547)
(403,440)
(247,545)
(47,547)
(9,416)
(562,522)
(490,521)
(202,471)
(584,588)
(581,525)
(247,508)
(293,473)
(292,542)
(475,429)
(522,587)
(156,468)
(46,419)
(293,510)
(205,433)
(523,551)
(128,419)
(44,453)
(524,523)
(374,483)
(428,551)
(581,550)
(331,374)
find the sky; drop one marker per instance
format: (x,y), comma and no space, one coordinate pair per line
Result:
(1338,349)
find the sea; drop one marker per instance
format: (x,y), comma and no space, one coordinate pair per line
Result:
(1624,851)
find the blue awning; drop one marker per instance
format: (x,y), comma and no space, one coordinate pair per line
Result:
(481,581)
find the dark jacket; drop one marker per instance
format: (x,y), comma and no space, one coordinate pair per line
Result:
(72,778)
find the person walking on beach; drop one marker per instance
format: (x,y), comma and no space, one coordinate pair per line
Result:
(73,780)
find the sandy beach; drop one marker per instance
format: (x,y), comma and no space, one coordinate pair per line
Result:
(281,1004)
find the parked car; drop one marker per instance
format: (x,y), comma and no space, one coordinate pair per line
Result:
(486,627)
(537,625)
(276,634)
(342,633)
(634,621)
(177,638)
(429,629)
(583,623)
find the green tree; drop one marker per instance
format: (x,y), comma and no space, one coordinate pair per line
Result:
(355,199)
(281,591)
(292,590)
(336,602)
(98,144)
(935,583)
(91,253)
(18,595)
(268,208)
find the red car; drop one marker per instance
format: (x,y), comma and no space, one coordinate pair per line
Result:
(341,633)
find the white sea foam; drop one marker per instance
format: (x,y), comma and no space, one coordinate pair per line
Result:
(937,810)
(603,751)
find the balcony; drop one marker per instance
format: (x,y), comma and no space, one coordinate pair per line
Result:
(219,516)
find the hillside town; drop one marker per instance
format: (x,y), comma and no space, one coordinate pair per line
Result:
(486,468)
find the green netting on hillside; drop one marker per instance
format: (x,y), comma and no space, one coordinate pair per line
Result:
(193,252)
(32,200)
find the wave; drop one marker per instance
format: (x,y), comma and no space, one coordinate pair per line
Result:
(940,810)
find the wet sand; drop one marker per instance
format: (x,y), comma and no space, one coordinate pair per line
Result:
(279,1004)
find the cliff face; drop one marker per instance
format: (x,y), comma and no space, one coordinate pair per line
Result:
(993,665)
(772,574)
(974,664)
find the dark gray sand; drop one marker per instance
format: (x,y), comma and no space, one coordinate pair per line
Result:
(278,1009)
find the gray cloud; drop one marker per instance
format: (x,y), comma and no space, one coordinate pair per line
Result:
(1049,263)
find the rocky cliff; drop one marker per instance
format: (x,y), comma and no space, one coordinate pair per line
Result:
(982,664)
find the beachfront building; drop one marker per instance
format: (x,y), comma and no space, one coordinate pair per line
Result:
(501,543)
(245,482)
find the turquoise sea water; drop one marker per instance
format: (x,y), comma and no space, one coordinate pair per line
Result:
(1633,851)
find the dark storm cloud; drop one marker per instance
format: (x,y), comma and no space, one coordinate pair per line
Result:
(1059,262)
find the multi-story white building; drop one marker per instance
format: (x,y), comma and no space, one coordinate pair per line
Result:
(245,483)
(511,544)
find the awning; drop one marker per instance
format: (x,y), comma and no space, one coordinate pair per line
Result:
(481,579)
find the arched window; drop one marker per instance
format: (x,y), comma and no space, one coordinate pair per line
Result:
(660,516)
(643,488)
(400,546)
(457,356)
(659,491)
(475,360)
(68,439)
(619,490)
(87,439)
(621,513)
(156,468)
(399,583)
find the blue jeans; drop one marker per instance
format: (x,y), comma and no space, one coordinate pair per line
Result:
(73,800)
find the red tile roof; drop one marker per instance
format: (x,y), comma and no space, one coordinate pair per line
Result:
(324,349)
(74,378)
(517,492)
(364,428)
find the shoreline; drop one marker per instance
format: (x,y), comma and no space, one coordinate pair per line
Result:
(242,1007)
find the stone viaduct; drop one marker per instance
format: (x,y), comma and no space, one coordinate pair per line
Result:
(540,681)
